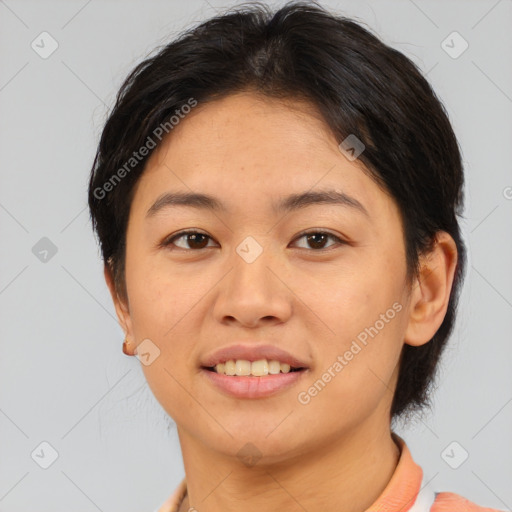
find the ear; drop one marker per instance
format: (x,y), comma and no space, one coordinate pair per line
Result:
(430,293)
(122,310)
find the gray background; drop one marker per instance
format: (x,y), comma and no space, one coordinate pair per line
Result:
(63,377)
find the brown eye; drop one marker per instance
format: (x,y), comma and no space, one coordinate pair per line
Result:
(317,239)
(192,240)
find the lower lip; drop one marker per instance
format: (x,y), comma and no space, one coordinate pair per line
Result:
(253,387)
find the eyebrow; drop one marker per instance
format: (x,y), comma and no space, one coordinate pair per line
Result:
(284,205)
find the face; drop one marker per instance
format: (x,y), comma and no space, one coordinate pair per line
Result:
(324,281)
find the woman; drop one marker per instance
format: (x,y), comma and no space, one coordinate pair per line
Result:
(276,198)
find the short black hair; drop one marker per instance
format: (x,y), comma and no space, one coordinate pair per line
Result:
(358,84)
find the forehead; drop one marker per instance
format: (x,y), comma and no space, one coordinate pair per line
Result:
(247,125)
(253,150)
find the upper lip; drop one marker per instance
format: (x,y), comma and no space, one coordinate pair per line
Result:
(252,353)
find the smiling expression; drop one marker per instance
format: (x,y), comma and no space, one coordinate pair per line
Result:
(293,246)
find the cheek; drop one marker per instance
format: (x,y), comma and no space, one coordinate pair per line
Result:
(363,320)
(348,302)
(158,298)
(164,308)
(355,375)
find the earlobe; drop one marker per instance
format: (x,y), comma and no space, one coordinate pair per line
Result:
(431,290)
(121,307)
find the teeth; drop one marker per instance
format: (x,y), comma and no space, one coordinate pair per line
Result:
(260,368)
(243,367)
(274,367)
(229,368)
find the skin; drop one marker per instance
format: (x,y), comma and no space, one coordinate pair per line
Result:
(336,452)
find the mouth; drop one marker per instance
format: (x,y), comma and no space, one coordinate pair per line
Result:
(252,370)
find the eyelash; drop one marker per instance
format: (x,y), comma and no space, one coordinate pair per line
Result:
(170,241)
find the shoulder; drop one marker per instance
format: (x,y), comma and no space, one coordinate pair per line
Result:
(451,502)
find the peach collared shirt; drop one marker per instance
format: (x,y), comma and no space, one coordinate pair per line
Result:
(407,491)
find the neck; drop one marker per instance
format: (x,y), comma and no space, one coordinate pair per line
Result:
(346,474)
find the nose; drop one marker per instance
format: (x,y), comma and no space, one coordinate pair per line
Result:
(254,293)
